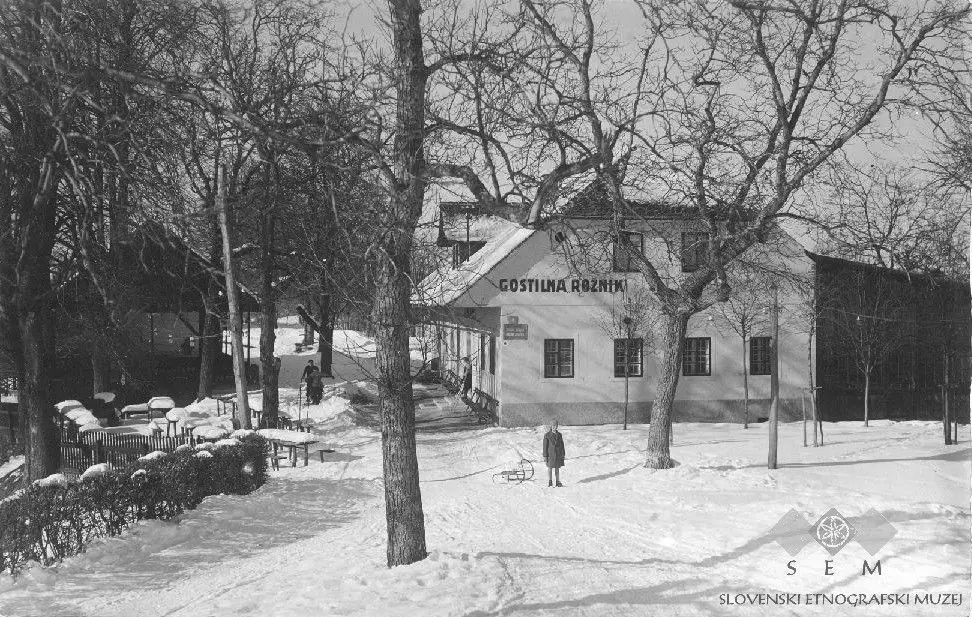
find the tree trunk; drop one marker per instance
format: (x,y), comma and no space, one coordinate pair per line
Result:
(269,369)
(100,367)
(673,329)
(813,391)
(745,386)
(774,381)
(945,409)
(35,398)
(208,350)
(403,498)
(308,332)
(867,395)
(326,345)
(232,299)
(210,342)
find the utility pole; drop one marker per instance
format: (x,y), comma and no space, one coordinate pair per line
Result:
(774,378)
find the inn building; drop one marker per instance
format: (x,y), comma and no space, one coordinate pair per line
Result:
(541,314)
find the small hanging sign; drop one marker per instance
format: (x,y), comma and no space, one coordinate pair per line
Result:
(514,332)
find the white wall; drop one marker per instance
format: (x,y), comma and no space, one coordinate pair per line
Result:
(590,319)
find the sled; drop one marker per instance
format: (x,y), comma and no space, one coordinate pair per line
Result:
(520,473)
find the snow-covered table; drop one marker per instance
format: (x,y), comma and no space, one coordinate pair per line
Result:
(291,440)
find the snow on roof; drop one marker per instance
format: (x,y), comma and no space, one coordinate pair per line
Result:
(446,285)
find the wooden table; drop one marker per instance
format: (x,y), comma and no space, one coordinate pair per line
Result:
(280,439)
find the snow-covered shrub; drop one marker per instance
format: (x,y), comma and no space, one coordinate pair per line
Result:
(48,523)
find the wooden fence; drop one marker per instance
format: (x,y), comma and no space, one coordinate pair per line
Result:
(94,447)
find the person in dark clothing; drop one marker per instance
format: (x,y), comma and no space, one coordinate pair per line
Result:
(315,386)
(307,371)
(305,377)
(553,453)
(466,378)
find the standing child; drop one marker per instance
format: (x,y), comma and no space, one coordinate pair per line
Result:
(553,452)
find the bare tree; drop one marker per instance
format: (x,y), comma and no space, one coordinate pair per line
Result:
(867,309)
(744,314)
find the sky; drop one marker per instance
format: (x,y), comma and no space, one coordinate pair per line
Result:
(623,17)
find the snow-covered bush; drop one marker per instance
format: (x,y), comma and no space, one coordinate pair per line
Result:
(49,523)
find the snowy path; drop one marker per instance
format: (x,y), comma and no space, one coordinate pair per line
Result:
(617,540)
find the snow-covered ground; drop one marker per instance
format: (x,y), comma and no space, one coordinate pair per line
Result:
(353,357)
(618,539)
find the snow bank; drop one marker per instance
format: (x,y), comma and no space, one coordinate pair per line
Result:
(153,456)
(617,538)
(55,479)
(95,471)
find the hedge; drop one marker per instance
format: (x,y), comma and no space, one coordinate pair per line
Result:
(48,523)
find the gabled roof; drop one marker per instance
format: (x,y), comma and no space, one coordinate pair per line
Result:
(593,202)
(462,220)
(447,285)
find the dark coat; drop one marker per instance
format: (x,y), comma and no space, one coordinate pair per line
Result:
(553,449)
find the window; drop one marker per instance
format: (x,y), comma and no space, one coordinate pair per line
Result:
(558,357)
(634,347)
(492,354)
(759,355)
(696,360)
(695,250)
(621,261)
(482,351)
(462,251)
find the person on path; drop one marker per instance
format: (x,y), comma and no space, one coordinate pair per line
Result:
(553,453)
(466,378)
(315,386)
(305,376)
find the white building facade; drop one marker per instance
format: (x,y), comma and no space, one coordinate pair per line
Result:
(540,314)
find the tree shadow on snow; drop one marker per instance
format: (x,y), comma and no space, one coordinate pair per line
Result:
(225,527)
(952,456)
(610,475)
(647,596)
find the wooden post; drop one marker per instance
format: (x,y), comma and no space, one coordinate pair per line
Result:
(803,407)
(232,299)
(774,381)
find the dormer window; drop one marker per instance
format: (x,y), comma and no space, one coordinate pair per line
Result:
(621,260)
(695,250)
(462,251)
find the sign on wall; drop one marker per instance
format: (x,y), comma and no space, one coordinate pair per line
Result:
(514,332)
(563,285)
